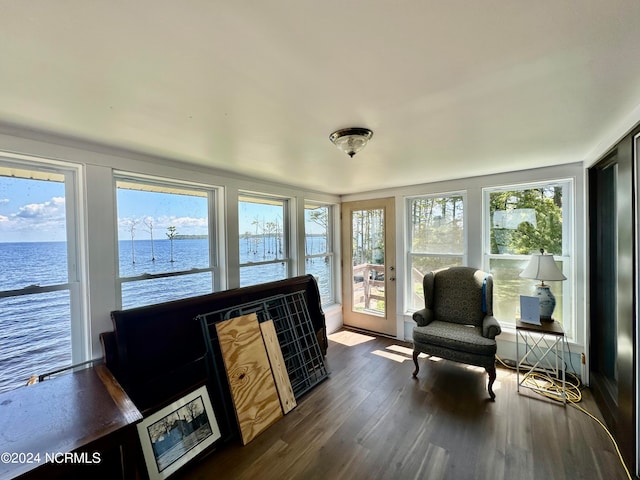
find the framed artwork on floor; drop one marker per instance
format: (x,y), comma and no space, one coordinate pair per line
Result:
(177,433)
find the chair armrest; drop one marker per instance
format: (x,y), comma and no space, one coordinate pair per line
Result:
(490,327)
(423,317)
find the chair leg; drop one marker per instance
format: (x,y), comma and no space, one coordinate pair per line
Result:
(492,378)
(415,362)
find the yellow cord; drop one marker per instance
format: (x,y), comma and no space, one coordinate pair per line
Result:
(551,388)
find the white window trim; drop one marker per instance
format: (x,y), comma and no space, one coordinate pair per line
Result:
(568,245)
(76,248)
(410,253)
(287,205)
(330,245)
(211,192)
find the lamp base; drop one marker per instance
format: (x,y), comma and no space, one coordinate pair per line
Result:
(547,302)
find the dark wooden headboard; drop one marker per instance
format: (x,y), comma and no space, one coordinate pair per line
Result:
(158,352)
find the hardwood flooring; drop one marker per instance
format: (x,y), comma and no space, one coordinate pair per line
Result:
(371,420)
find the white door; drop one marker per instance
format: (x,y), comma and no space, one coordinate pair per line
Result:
(368,270)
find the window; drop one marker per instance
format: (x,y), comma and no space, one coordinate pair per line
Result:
(165,248)
(319,259)
(519,221)
(40,289)
(436,239)
(263,235)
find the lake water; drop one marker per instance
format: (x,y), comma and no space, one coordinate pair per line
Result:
(35,329)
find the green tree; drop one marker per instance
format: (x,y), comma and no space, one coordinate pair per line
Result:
(527,236)
(171,235)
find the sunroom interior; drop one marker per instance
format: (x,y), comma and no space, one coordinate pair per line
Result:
(129,132)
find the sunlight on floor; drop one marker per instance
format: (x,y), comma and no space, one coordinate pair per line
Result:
(402,353)
(401,349)
(349,339)
(391,356)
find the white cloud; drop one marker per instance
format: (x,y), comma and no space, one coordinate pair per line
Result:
(52,209)
(187,222)
(36,222)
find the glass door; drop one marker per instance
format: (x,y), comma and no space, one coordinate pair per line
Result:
(368,240)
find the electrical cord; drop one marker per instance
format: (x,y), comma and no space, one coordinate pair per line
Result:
(551,387)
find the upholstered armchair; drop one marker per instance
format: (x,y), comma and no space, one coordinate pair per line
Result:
(457,322)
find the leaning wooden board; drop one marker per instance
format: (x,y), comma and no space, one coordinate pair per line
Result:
(253,390)
(278,367)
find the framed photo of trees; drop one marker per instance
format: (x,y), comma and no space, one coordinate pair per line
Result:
(176,434)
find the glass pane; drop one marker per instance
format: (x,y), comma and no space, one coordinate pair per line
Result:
(322,269)
(33,263)
(316,225)
(262,231)
(367,229)
(147,292)
(161,229)
(421,265)
(36,328)
(33,233)
(317,247)
(255,274)
(524,221)
(508,286)
(437,225)
(36,336)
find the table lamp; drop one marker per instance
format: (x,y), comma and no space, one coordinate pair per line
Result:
(543,267)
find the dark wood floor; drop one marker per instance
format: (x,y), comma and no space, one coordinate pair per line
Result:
(371,420)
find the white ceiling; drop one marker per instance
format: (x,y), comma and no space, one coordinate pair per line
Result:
(450,88)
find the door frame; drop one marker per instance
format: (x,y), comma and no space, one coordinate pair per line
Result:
(386,325)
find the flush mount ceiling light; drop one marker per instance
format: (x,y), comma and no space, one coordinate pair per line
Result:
(351,140)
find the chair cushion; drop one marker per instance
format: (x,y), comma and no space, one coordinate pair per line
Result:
(458,295)
(466,338)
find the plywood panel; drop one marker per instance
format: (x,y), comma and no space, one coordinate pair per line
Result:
(253,389)
(278,367)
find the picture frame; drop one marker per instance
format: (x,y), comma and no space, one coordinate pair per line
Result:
(177,433)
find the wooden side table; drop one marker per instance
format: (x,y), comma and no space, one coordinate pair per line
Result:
(544,349)
(78,423)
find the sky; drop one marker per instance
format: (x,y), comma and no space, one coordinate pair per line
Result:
(160,210)
(34,211)
(31,210)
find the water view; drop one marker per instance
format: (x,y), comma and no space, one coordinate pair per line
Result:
(36,328)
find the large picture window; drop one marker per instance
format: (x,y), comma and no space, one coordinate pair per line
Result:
(319,258)
(436,239)
(165,248)
(264,239)
(40,289)
(519,221)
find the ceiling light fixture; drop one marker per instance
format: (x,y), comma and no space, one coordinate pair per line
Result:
(351,140)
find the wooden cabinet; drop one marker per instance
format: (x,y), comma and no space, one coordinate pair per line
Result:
(71,426)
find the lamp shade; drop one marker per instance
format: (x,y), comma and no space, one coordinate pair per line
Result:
(542,267)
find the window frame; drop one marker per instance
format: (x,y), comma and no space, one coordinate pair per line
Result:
(330,250)
(76,283)
(411,254)
(569,305)
(287,259)
(157,184)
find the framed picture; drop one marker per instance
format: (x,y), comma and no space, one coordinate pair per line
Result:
(174,435)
